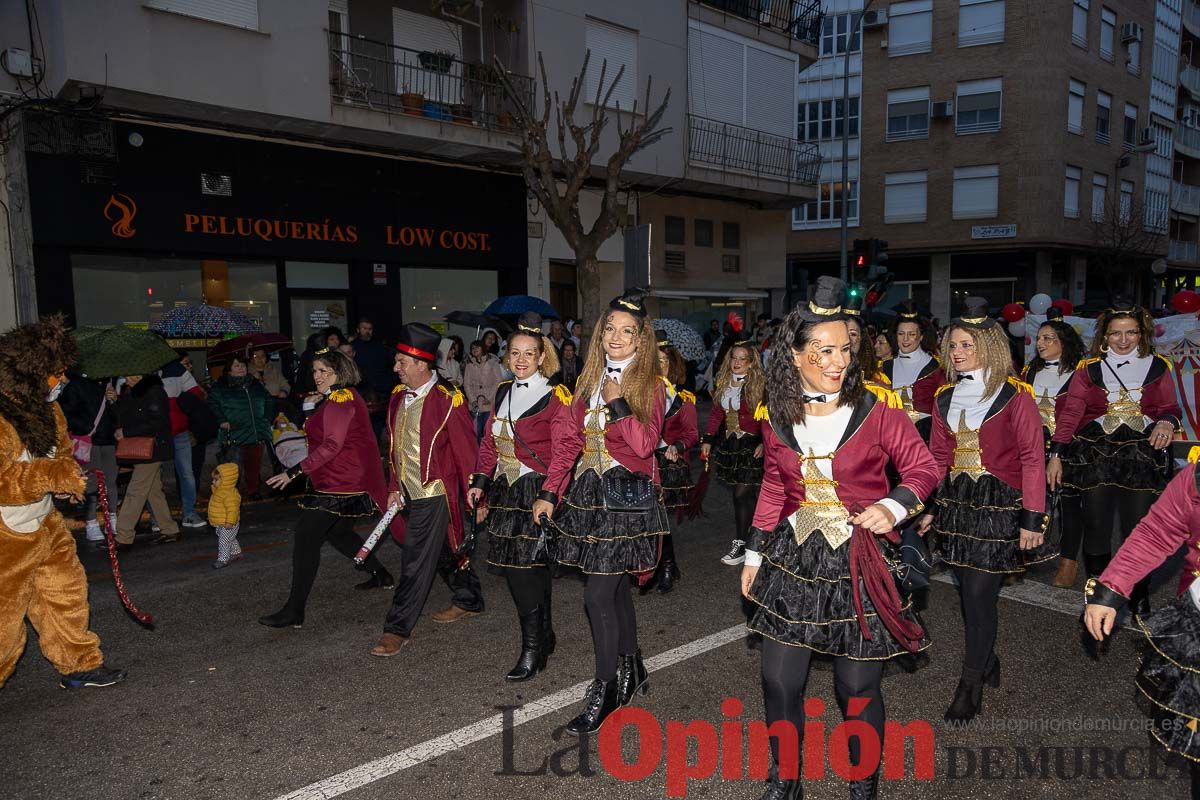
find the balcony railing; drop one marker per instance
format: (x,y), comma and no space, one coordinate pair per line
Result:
(799,19)
(1191,16)
(1185,198)
(428,84)
(1188,138)
(739,149)
(1189,76)
(1183,251)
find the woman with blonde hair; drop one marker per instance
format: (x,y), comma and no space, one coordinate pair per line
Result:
(611,517)
(514,457)
(989,519)
(732,438)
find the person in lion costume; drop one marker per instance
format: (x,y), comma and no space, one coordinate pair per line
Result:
(40,575)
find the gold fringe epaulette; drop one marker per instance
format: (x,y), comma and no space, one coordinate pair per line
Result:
(943,388)
(760,413)
(885,394)
(1166,361)
(456,397)
(563,394)
(1021,386)
(881,375)
(1083,364)
(1194,455)
(688,397)
(399,388)
(1024,371)
(667,382)
(341,396)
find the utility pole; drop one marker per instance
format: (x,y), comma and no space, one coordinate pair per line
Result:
(855,27)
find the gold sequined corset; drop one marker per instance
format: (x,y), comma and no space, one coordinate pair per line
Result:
(906,399)
(406,453)
(733,426)
(595,452)
(821,510)
(968,454)
(1046,410)
(507,463)
(1123,411)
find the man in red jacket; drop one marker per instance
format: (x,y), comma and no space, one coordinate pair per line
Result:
(432,452)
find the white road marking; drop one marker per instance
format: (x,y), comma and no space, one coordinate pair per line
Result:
(380,768)
(1042,595)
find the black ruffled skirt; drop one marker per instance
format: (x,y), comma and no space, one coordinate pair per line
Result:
(512,536)
(734,461)
(602,542)
(805,599)
(1169,675)
(677,483)
(977,525)
(343,505)
(1122,459)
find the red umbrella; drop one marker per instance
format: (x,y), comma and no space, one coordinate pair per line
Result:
(245,344)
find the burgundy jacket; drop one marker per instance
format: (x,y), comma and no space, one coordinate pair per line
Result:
(535,446)
(716,418)
(343,456)
(681,423)
(1012,442)
(931,377)
(630,442)
(879,433)
(1087,399)
(448,450)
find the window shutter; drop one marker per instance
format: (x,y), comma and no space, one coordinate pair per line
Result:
(910,27)
(716,75)
(770,92)
(976,192)
(1071,192)
(617,47)
(980,22)
(339,6)
(242,13)
(904,197)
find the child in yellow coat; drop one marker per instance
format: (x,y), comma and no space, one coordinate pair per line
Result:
(224,513)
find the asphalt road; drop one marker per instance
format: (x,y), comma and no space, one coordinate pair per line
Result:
(218,706)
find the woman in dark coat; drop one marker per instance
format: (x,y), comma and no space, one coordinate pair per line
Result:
(143,410)
(244,412)
(89,414)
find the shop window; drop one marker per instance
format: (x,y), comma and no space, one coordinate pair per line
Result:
(675,231)
(703,231)
(316,275)
(428,295)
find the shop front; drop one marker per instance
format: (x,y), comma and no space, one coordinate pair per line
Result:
(298,238)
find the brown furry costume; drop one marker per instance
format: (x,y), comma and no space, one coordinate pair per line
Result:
(40,574)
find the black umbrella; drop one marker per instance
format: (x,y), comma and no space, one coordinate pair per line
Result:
(472,320)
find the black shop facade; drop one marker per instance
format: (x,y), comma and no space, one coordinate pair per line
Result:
(297,238)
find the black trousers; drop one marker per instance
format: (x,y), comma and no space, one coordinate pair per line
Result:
(313,529)
(1070,512)
(1109,516)
(425,553)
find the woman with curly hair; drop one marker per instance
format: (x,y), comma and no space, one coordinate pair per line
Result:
(989,519)
(732,438)
(1059,349)
(818,563)
(1117,419)
(611,519)
(514,456)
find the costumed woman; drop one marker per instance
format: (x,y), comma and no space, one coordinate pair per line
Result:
(611,518)
(514,456)
(345,480)
(1059,349)
(732,441)
(914,371)
(1114,427)
(40,575)
(818,560)
(679,435)
(989,519)
(861,347)
(1169,670)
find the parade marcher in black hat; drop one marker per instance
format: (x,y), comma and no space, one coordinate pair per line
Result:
(862,350)
(609,522)
(514,456)
(914,372)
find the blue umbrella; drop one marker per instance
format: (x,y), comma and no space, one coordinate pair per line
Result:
(514,304)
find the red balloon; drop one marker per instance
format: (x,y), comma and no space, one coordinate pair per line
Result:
(1186,302)
(1014,312)
(1068,308)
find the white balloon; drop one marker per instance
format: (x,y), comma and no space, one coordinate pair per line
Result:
(1039,303)
(1158,266)
(1017,328)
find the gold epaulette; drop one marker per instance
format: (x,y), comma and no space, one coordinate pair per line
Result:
(456,397)
(563,394)
(881,375)
(1024,371)
(883,393)
(943,388)
(666,382)
(399,388)
(760,413)
(1083,364)
(1194,455)
(1021,386)
(341,396)
(501,383)
(1170,366)
(688,397)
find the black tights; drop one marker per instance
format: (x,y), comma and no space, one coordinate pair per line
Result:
(1108,510)
(614,627)
(979,595)
(784,675)
(744,499)
(530,588)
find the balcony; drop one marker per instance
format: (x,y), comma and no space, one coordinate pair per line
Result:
(1189,78)
(733,148)
(793,25)
(1191,17)
(1185,198)
(1187,252)
(1187,140)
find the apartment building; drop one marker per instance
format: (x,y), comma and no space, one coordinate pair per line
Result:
(309,161)
(991,139)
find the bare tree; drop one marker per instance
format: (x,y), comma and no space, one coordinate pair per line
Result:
(557,179)
(1124,242)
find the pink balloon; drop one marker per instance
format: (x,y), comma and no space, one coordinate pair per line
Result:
(1160,329)
(1028,341)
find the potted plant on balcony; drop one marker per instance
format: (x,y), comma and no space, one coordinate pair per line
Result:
(462,112)
(436,61)
(412,102)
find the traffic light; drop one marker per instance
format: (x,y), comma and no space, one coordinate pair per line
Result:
(876,258)
(862,256)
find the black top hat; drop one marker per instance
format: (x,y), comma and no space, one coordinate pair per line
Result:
(1054,312)
(906,309)
(419,341)
(853,304)
(660,338)
(531,323)
(1123,306)
(632,302)
(825,300)
(975,314)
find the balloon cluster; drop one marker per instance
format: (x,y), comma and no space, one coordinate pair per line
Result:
(1014,313)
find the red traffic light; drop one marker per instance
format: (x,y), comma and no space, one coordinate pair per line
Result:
(872,298)
(861,261)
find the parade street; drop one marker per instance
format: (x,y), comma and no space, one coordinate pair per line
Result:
(217,706)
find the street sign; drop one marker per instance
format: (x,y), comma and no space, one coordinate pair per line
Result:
(993,231)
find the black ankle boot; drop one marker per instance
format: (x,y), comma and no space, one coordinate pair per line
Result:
(991,676)
(652,583)
(669,573)
(380,579)
(778,789)
(533,655)
(283,618)
(968,697)
(866,789)
(599,701)
(632,677)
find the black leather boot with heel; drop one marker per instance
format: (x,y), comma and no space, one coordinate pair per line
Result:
(632,678)
(599,701)
(533,654)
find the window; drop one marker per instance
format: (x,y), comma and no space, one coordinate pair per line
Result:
(1079,20)
(731,236)
(240,13)
(741,83)
(908,114)
(827,206)
(1129,135)
(1108,29)
(1099,190)
(1103,111)
(618,47)
(819,120)
(980,22)
(976,192)
(703,233)
(1126,206)
(675,231)
(414,34)
(904,196)
(910,28)
(977,109)
(1133,58)
(731,262)
(1071,193)
(1075,107)
(836,29)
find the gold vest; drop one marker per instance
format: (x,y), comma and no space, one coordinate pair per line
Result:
(507,463)
(1123,411)
(821,510)
(595,454)
(406,453)
(968,455)
(1046,410)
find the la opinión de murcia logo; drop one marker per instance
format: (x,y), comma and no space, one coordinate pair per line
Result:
(120,211)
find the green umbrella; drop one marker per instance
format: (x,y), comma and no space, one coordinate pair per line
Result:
(121,350)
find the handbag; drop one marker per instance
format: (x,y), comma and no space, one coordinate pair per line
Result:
(912,572)
(81,446)
(136,448)
(628,492)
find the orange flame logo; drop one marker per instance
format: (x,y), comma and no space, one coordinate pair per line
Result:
(125,209)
